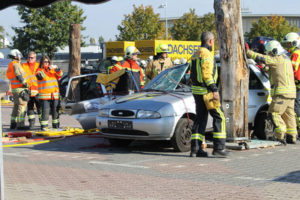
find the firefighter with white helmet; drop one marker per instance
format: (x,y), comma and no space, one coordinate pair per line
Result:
(160,62)
(19,88)
(130,64)
(292,41)
(283,90)
(113,60)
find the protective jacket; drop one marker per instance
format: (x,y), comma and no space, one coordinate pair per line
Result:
(30,69)
(281,73)
(204,72)
(14,73)
(131,65)
(295,58)
(47,83)
(154,67)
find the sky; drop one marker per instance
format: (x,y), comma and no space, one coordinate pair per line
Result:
(103,19)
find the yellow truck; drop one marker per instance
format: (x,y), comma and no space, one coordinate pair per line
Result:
(178,49)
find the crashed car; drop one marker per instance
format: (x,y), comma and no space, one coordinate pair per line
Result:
(165,110)
(92,93)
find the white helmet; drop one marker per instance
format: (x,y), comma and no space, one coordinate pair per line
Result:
(15,54)
(183,60)
(131,50)
(143,63)
(176,62)
(293,38)
(274,47)
(114,58)
(1,55)
(150,58)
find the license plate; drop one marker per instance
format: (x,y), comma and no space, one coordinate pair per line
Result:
(118,124)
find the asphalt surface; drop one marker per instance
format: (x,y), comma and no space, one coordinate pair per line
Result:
(86,167)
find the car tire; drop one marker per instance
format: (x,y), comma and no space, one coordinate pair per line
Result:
(119,142)
(181,140)
(263,127)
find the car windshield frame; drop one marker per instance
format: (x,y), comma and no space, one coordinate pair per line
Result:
(168,80)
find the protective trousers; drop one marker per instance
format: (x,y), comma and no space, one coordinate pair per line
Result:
(18,112)
(30,110)
(283,117)
(219,127)
(297,108)
(46,106)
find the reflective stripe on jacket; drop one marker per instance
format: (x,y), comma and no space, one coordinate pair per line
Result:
(11,74)
(154,67)
(204,72)
(280,73)
(48,86)
(31,78)
(295,58)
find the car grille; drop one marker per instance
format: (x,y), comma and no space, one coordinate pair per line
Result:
(122,113)
(124,132)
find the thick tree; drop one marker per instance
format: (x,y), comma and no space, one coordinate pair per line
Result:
(141,24)
(275,26)
(46,28)
(234,70)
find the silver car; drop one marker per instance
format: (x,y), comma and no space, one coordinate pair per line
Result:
(165,110)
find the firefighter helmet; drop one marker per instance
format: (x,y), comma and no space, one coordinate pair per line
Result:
(1,55)
(114,58)
(292,38)
(162,48)
(15,54)
(131,50)
(274,47)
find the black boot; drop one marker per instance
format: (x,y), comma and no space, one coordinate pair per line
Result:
(55,125)
(23,128)
(44,127)
(290,139)
(218,152)
(13,125)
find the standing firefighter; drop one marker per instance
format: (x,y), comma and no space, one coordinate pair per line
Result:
(19,86)
(292,42)
(48,92)
(204,79)
(30,67)
(283,90)
(160,62)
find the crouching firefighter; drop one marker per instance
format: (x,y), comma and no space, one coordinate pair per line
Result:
(204,78)
(283,90)
(48,92)
(19,86)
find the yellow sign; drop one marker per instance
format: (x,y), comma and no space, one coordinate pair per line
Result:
(117,48)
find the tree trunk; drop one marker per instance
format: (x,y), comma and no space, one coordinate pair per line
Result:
(75,58)
(234,70)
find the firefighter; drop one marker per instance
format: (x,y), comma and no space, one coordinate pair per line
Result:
(19,86)
(204,79)
(130,64)
(114,61)
(30,67)
(291,42)
(160,62)
(48,92)
(283,90)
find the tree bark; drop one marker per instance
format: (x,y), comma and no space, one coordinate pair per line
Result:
(75,58)
(234,70)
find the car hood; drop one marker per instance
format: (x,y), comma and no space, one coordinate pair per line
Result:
(167,104)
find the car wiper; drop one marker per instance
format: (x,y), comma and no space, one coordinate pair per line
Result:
(154,90)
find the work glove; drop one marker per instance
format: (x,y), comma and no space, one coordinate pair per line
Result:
(57,69)
(247,46)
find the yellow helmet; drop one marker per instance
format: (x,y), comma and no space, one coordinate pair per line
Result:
(130,51)
(162,48)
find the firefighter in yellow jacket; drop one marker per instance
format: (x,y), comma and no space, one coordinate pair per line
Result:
(283,90)
(19,86)
(48,92)
(160,62)
(204,76)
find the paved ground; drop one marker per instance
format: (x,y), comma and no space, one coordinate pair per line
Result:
(85,167)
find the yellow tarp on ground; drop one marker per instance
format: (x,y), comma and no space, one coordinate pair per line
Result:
(65,132)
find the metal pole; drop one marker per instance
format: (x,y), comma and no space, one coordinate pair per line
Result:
(1,159)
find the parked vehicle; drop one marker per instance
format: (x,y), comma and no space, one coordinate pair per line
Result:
(165,110)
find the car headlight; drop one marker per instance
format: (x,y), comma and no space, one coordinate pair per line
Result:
(104,112)
(147,114)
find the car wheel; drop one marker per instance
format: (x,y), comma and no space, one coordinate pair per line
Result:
(181,140)
(119,142)
(263,127)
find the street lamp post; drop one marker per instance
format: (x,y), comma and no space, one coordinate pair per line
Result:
(164,5)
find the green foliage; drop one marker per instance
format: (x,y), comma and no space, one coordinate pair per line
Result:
(2,34)
(46,28)
(275,26)
(190,26)
(93,41)
(100,39)
(141,24)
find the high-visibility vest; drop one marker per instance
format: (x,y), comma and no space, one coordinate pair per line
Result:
(295,58)
(31,78)
(48,86)
(10,74)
